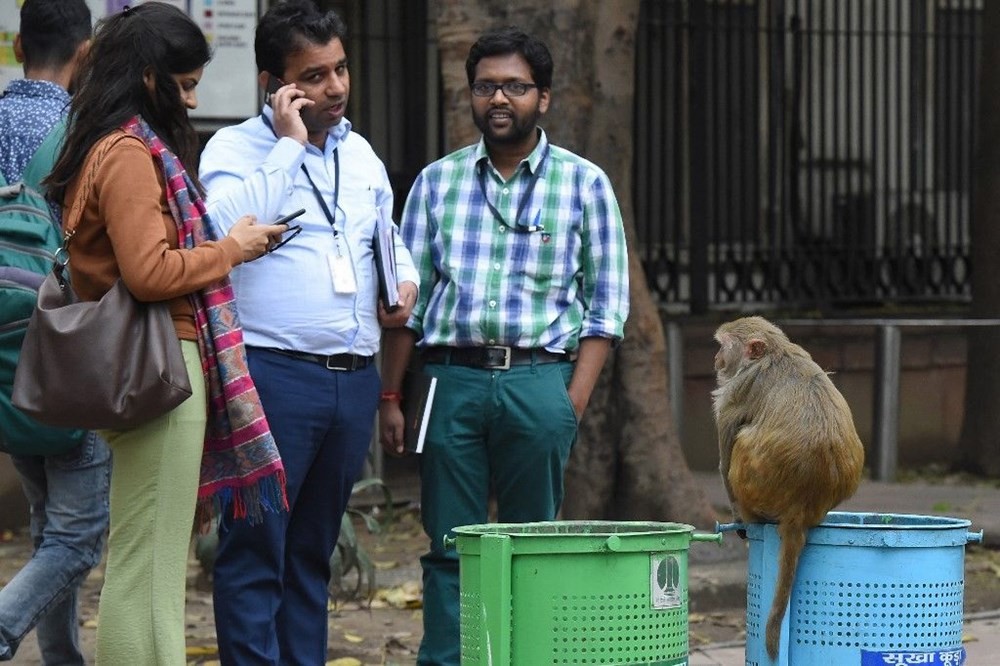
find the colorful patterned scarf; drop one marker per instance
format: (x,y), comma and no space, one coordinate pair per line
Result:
(240,464)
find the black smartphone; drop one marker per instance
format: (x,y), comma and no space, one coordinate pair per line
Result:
(273,83)
(291,216)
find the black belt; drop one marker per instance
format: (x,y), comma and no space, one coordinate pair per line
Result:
(493,358)
(343,362)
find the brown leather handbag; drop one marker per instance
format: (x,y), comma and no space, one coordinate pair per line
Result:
(110,364)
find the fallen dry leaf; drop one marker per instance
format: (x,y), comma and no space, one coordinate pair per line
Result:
(407,595)
(353,638)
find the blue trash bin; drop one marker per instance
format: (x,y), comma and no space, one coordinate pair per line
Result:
(867,585)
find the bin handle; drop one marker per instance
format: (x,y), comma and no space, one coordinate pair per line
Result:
(449,542)
(974,537)
(729,527)
(717,538)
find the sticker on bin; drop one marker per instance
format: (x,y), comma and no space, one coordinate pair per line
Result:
(665,581)
(954,657)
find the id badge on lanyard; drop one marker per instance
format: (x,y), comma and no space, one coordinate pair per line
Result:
(341,266)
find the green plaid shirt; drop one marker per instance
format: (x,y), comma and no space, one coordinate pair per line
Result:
(559,274)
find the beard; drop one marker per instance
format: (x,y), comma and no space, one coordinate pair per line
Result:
(520,127)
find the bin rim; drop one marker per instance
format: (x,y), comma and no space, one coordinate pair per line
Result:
(878,520)
(563,528)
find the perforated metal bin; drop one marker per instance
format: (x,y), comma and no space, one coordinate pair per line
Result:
(867,585)
(575,592)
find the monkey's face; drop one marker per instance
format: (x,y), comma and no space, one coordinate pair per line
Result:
(728,358)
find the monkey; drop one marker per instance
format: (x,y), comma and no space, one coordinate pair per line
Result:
(788,448)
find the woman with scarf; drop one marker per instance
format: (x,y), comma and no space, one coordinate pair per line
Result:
(127,172)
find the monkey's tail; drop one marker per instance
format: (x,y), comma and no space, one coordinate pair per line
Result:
(793,539)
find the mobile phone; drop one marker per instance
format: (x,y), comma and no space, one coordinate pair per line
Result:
(285,219)
(273,83)
(291,216)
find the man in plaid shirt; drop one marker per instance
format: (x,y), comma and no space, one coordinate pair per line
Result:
(521,253)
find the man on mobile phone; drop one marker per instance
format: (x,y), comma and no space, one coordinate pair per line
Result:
(312,355)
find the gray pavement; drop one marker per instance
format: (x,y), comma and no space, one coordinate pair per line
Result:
(715,584)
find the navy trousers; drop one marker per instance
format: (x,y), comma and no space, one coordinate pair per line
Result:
(270,580)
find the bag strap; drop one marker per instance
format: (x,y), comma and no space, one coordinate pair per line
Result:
(72,221)
(61,259)
(42,161)
(40,164)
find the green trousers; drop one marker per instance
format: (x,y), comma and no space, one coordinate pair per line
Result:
(154,488)
(509,431)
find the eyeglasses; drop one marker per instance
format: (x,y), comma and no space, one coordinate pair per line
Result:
(510,88)
(289,234)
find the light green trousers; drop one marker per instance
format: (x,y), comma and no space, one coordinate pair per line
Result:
(154,486)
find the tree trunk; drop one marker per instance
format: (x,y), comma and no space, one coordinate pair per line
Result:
(628,462)
(979,445)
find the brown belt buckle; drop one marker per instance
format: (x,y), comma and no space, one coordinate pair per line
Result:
(488,362)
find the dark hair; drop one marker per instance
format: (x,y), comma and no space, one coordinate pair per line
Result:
(52,30)
(504,41)
(152,36)
(287,27)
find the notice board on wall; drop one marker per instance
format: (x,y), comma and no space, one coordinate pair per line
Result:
(228,90)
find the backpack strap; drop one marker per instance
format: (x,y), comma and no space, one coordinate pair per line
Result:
(44,159)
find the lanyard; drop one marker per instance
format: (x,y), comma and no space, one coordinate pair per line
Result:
(525,197)
(330,217)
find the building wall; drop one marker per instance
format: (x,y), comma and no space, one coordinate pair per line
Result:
(932,388)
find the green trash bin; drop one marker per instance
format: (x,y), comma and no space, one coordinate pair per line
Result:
(575,592)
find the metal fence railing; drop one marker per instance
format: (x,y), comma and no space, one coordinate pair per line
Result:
(805,153)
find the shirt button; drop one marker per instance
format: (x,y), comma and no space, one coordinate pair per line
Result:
(506,191)
(502,228)
(493,304)
(497,265)
(493,341)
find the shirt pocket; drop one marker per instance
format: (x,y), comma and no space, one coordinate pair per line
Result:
(545,255)
(359,204)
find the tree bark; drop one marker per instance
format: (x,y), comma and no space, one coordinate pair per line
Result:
(628,462)
(979,445)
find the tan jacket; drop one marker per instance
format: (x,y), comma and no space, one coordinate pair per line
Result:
(127,231)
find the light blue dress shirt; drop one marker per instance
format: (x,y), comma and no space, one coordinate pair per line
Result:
(287,299)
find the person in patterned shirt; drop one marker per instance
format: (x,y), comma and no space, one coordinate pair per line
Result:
(67,492)
(521,253)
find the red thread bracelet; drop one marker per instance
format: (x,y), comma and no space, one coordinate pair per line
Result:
(391,396)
